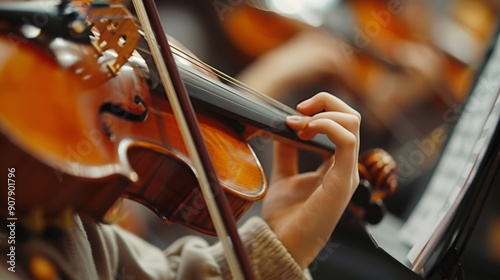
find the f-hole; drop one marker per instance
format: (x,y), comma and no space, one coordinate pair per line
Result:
(122,113)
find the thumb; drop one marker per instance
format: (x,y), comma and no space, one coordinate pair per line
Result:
(284,161)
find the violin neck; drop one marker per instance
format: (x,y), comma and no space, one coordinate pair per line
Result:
(212,96)
(220,99)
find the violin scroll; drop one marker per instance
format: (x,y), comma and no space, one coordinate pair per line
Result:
(378,179)
(379,168)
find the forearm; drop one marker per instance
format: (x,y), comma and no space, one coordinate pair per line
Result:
(264,78)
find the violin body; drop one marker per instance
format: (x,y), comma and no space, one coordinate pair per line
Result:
(80,138)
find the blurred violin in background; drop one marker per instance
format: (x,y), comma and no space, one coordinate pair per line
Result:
(399,53)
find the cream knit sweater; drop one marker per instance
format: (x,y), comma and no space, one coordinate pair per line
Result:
(94,251)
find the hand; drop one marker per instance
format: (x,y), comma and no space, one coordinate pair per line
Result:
(307,58)
(303,209)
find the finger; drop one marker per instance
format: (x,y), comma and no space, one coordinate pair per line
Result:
(284,161)
(351,122)
(327,102)
(297,122)
(330,200)
(346,155)
(348,121)
(329,123)
(325,166)
(346,143)
(336,111)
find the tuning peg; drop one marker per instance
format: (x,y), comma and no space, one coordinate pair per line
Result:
(362,195)
(381,170)
(375,212)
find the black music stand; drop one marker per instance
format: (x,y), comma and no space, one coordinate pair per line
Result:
(442,259)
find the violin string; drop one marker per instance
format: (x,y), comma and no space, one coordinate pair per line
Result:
(234,82)
(221,75)
(230,80)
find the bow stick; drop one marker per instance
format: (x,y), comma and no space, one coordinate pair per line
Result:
(218,207)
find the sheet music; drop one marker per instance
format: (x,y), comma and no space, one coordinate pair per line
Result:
(457,167)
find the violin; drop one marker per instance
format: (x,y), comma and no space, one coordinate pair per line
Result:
(83,125)
(113,126)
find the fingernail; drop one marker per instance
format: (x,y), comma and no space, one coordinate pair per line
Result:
(312,123)
(294,118)
(304,103)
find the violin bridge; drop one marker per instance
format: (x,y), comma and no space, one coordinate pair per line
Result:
(117,31)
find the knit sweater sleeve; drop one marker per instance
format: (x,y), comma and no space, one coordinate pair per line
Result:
(120,254)
(268,257)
